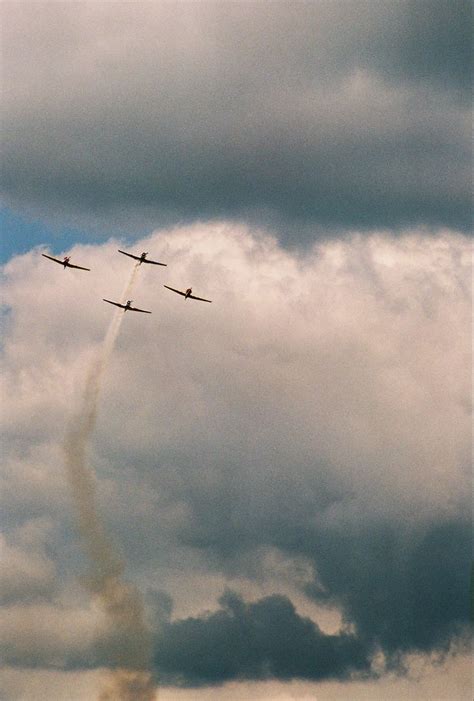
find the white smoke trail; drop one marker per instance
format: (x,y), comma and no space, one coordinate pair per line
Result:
(130,648)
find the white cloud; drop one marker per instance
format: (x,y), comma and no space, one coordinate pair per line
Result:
(319,391)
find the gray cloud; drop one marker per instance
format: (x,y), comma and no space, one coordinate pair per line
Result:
(405,596)
(432,43)
(260,640)
(328,114)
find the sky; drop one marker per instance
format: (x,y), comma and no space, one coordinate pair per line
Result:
(275,487)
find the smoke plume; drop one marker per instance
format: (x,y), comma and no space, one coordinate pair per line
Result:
(130,648)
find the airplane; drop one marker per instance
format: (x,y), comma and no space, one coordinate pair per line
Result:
(65,262)
(127,307)
(187,294)
(142,258)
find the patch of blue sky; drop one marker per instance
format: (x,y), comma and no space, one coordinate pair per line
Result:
(20,234)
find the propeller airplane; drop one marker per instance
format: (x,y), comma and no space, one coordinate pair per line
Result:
(141,258)
(127,307)
(187,294)
(65,262)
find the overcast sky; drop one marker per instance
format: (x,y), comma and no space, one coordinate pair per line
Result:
(309,117)
(285,473)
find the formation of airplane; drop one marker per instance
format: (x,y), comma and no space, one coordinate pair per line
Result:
(127,307)
(141,258)
(65,262)
(187,294)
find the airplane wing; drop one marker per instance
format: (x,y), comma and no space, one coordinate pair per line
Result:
(130,255)
(51,258)
(201,299)
(79,267)
(135,309)
(183,294)
(122,306)
(154,262)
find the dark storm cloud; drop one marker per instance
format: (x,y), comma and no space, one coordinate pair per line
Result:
(403,598)
(334,114)
(398,602)
(403,589)
(265,639)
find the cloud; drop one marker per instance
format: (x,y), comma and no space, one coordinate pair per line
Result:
(49,636)
(431,46)
(261,640)
(437,683)
(316,415)
(336,115)
(25,575)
